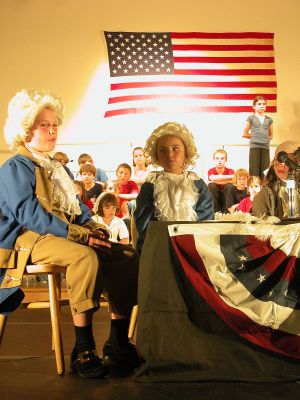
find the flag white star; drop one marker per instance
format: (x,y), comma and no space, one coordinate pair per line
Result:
(261,278)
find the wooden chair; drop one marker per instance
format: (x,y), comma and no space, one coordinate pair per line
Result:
(55,301)
(133,318)
(54,286)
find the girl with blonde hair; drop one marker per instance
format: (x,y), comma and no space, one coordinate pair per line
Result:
(175,193)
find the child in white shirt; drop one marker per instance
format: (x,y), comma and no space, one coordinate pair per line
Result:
(105,210)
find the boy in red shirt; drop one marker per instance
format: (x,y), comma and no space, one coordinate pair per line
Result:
(218,177)
(127,190)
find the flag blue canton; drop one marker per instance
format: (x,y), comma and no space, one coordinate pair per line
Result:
(135,53)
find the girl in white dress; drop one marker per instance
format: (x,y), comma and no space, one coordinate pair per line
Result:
(105,209)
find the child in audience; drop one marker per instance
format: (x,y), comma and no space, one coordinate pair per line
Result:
(254,186)
(88,175)
(173,194)
(64,160)
(105,209)
(126,189)
(236,191)
(112,186)
(82,194)
(218,177)
(101,176)
(140,168)
(259,129)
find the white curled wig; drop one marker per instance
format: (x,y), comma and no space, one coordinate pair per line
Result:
(171,129)
(22,112)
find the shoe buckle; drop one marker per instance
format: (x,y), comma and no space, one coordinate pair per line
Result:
(86,356)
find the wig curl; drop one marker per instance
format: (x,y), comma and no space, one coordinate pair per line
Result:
(23,110)
(171,129)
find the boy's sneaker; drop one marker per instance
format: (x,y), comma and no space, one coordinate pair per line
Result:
(123,357)
(87,364)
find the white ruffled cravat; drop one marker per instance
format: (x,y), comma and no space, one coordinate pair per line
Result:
(64,189)
(174,196)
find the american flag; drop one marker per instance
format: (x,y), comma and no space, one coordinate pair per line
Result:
(248,273)
(189,72)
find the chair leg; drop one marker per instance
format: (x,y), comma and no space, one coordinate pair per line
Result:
(56,325)
(58,291)
(132,324)
(3,319)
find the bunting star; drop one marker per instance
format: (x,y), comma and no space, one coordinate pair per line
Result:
(242,267)
(261,278)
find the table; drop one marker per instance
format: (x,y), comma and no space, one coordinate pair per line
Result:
(177,349)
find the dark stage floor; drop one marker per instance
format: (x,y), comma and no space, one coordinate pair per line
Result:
(27,369)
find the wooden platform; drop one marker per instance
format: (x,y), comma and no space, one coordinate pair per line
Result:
(27,369)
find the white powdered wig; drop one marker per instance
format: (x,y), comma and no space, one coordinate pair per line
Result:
(23,110)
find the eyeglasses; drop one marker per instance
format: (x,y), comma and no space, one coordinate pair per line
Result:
(277,163)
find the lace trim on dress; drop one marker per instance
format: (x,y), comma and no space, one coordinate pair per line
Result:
(174,196)
(64,189)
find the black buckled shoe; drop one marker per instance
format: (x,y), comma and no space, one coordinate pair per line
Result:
(87,364)
(125,357)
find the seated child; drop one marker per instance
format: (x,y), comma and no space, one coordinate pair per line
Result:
(82,194)
(218,177)
(88,175)
(140,168)
(105,209)
(126,189)
(174,194)
(113,187)
(236,191)
(110,186)
(101,176)
(254,186)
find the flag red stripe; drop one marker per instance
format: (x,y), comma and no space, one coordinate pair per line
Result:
(161,64)
(275,259)
(131,85)
(231,96)
(226,72)
(224,59)
(222,109)
(222,47)
(222,35)
(290,269)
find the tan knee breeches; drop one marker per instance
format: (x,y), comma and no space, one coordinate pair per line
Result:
(83,276)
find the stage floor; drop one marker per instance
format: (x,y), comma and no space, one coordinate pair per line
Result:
(27,369)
